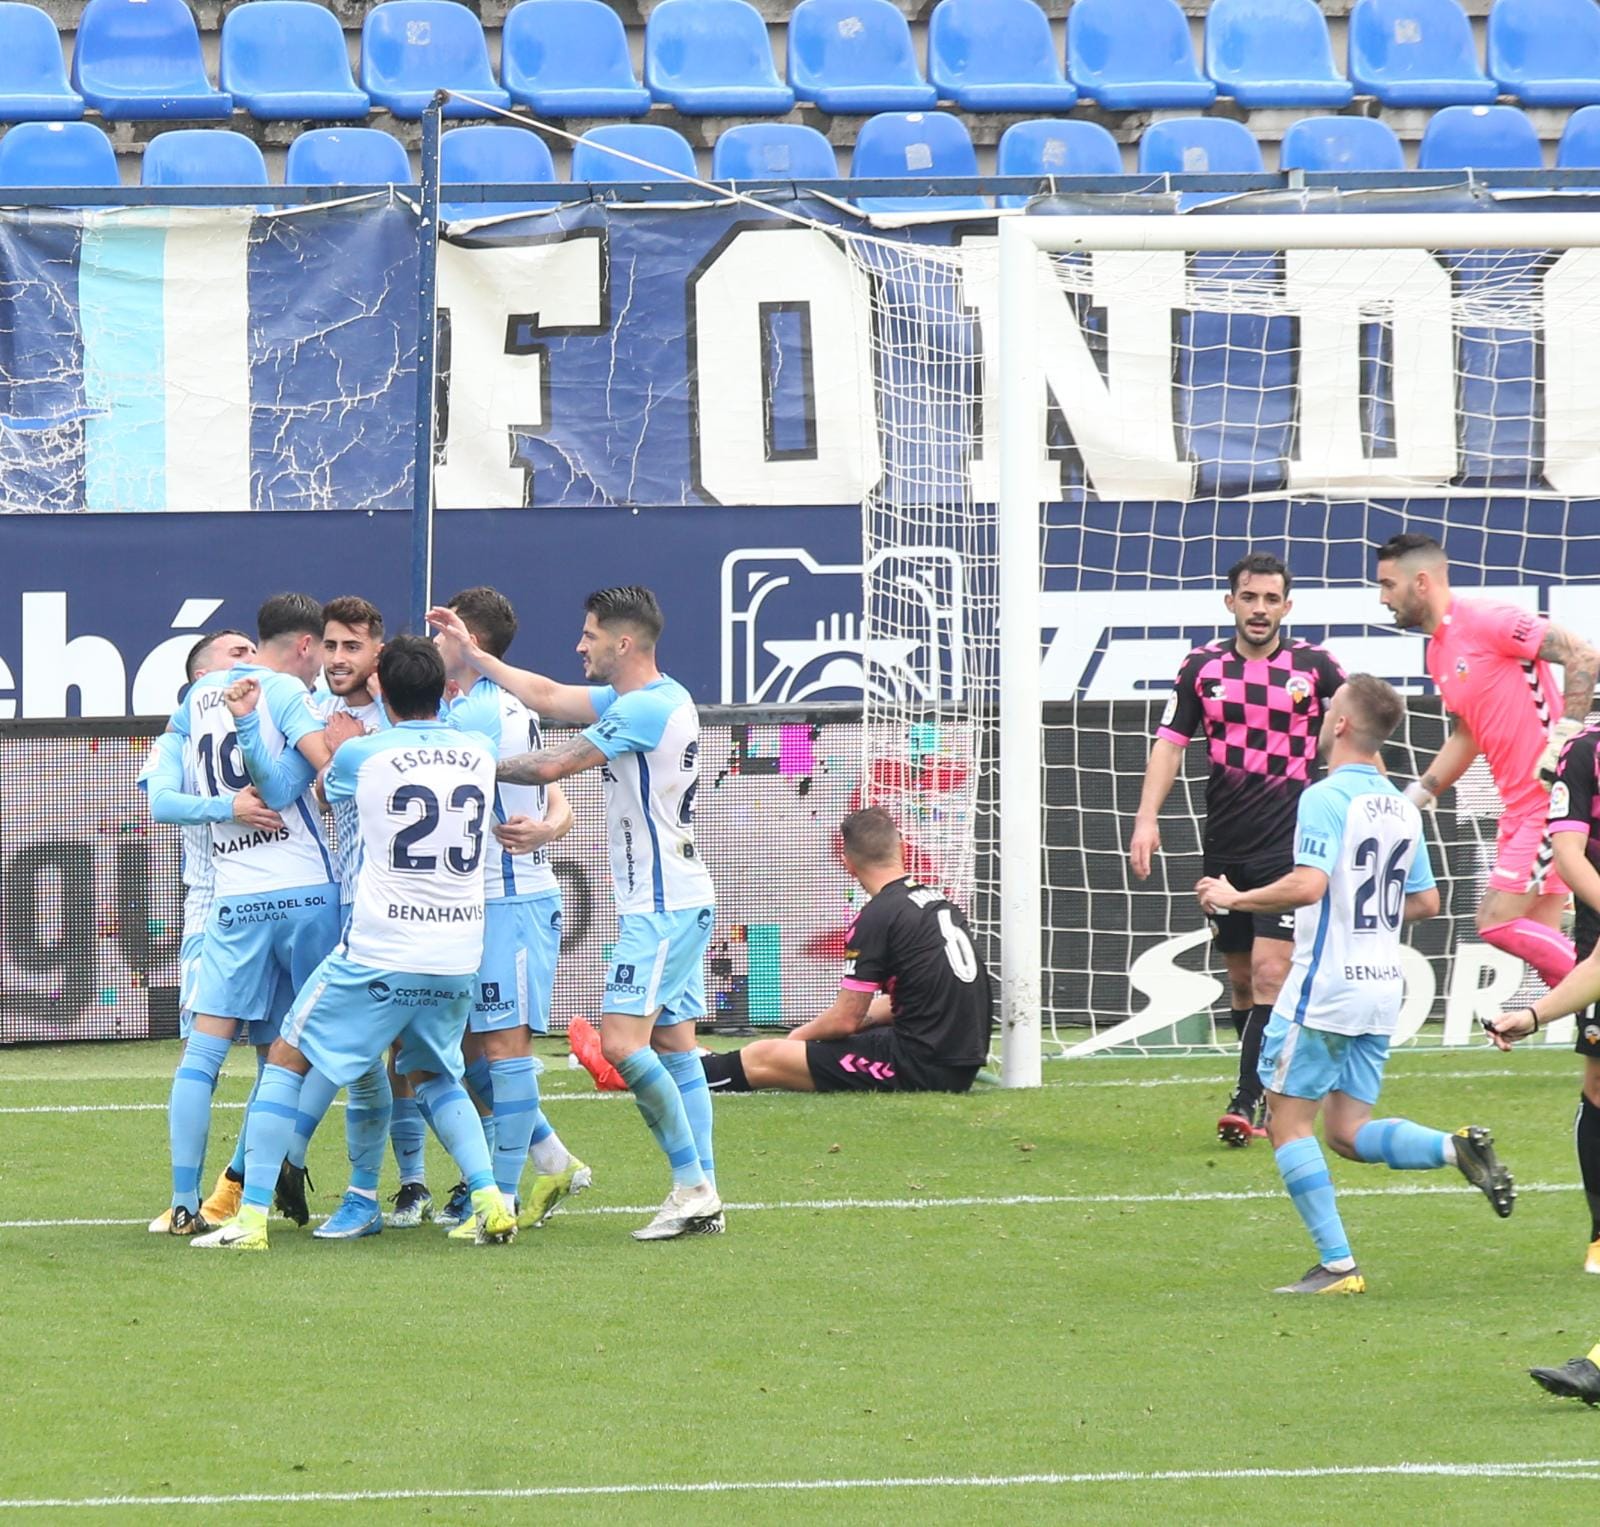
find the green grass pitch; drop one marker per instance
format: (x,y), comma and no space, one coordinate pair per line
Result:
(1070,1283)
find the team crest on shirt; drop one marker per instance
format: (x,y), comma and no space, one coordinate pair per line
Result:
(1299,688)
(1219,691)
(1461,668)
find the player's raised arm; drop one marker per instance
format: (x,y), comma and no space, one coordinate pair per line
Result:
(556,702)
(283,778)
(547,765)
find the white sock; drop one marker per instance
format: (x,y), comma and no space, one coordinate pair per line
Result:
(365,1193)
(1341,1264)
(1449,1150)
(549,1156)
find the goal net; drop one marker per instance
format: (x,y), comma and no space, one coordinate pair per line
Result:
(1097,419)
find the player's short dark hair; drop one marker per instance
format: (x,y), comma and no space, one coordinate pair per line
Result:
(1408,543)
(352,610)
(488,615)
(191,664)
(1375,709)
(1262,562)
(289,615)
(411,675)
(628,604)
(871,837)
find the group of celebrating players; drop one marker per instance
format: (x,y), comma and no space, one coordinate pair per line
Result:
(413,962)
(1308,885)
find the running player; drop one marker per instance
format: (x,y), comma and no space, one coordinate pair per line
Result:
(642,730)
(930,1033)
(522,926)
(1260,698)
(1575,835)
(276,909)
(1361,871)
(1491,665)
(421,793)
(173,799)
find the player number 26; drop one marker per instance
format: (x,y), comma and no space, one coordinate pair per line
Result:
(1391,901)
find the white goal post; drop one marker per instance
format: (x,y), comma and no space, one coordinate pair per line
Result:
(1024,281)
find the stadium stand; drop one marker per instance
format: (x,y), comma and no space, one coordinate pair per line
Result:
(33,74)
(712,58)
(285,61)
(493,155)
(773,151)
(644,140)
(1579,148)
(1480,138)
(914,145)
(855,56)
(202,156)
(1050,146)
(1416,53)
(137,59)
(996,55)
(57,154)
(347,156)
(569,58)
(1133,55)
(412,48)
(1340,143)
(1199,146)
(1273,53)
(1546,52)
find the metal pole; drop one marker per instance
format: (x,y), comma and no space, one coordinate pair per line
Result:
(427,365)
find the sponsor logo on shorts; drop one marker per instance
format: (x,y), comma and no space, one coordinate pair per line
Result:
(622,980)
(268,910)
(555,920)
(489,999)
(704,919)
(378,990)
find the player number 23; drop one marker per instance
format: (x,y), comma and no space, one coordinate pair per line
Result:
(464,798)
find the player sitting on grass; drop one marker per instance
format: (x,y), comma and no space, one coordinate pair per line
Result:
(421,794)
(1361,871)
(929,1034)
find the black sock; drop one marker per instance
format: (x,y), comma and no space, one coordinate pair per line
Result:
(1250,1050)
(1587,1134)
(725,1072)
(1240,1017)
(232,1175)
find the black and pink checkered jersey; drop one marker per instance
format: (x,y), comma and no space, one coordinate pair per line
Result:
(1575,807)
(1261,716)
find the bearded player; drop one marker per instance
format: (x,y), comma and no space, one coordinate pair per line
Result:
(1491,664)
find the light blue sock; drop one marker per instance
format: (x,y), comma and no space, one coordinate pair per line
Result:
(1305,1174)
(690,1076)
(479,1077)
(236,1166)
(270,1127)
(662,1106)
(366,1126)
(189,1114)
(516,1102)
(408,1135)
(1400,1144)
(316,1098)
(455,1122)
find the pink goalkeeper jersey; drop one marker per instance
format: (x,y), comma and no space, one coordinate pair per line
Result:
(1485,660)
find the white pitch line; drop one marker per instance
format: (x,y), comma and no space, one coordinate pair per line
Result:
(996,1201)
(1553,1468)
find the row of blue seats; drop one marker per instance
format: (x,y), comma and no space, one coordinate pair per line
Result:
(914,146)
(286,59)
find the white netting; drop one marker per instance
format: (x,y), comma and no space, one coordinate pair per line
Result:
(1304,403)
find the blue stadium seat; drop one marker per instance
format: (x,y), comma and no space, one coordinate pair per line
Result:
(1133,54)
(712,58)
(1340,143)
(658,145)
(1273,53)
(996,55)
(569,58)
(855,56)
(1198,146)
(411,48)
(347,156)
(202,156)
(1480,138)
(1416,53)
(1580,142)
(141,58)
(914,145)
(1546,52)
(33,76)
(57,154)
(285,60)
(490,155)
(1053,146)
(773,151)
